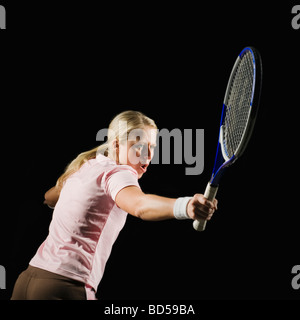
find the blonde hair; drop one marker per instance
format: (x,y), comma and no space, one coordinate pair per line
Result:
(118,129)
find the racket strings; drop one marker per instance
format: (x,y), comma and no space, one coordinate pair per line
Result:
(238,104)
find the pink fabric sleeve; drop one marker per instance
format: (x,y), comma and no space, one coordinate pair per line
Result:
(116,181)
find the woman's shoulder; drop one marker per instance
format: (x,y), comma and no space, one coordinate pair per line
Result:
(103,164)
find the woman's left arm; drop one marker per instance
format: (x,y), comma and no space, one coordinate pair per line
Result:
(51,196)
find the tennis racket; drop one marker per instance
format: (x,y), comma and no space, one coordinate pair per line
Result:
(238,117)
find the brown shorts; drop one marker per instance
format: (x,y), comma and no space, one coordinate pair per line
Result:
(39,284)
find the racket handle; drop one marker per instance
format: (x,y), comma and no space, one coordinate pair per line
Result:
(210,194)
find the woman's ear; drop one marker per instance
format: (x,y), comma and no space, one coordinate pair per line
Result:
(116,144)
(115,151)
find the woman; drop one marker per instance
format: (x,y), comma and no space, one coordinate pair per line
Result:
(91,200)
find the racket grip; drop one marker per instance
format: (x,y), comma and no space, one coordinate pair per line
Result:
(210,194)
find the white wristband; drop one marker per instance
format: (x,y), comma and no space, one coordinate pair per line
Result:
(180,208)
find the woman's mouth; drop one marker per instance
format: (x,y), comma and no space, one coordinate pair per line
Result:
(143,167)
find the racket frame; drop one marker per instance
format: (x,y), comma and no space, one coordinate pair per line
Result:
(222,161)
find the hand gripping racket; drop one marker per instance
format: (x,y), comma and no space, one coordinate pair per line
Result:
(238,118)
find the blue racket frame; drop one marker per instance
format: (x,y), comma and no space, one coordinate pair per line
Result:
(222,162)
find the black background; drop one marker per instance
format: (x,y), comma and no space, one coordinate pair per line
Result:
(67,70)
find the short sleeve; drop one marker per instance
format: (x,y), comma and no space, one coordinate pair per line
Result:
(118,179)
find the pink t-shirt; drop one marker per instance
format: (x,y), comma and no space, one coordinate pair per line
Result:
(86,221)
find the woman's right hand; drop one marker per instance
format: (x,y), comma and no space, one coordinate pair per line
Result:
(201,208)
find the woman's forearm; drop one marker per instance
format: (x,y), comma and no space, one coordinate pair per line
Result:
(145,206)
(155,208)
(51,196)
